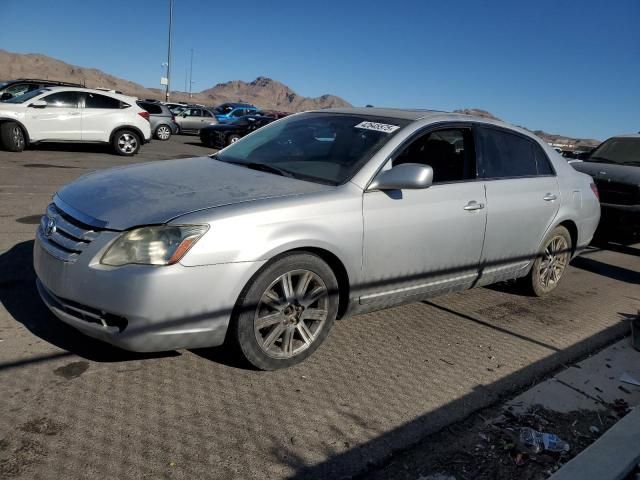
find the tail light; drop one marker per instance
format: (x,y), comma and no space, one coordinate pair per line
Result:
(594,188)
(144,115)
(173,118)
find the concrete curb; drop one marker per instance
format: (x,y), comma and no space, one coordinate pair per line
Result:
(612,457)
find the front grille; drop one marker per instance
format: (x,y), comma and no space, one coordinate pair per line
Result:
(618,193)
(63,236)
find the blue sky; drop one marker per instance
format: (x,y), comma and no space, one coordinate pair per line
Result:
(570,67)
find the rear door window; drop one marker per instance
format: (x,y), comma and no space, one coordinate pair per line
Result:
(152,108)
(508,155)
(94,100)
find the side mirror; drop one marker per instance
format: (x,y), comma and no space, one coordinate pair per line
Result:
(5,96)
(38,104)
(412,176)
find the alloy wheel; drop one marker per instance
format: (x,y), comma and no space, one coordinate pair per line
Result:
(163,132)
(127,143)
(291,314)
(18,137)
(554,261)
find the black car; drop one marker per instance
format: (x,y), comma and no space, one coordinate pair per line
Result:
(219,136)
(615,167)
(15,88)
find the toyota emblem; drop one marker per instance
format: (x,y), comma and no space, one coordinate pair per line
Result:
(50,229)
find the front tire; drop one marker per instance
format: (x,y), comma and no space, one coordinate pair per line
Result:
(551,263)
(163,132)
(126,143)
(233,139)
(286,312)
(12,137)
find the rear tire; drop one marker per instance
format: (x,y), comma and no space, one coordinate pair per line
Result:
(286,311)
(126,143)
(552,261)
(163,132)
(12,137)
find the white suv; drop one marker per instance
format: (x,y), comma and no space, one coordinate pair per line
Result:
(67,114)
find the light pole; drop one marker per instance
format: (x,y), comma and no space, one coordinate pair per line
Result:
(168,86)
(191,75)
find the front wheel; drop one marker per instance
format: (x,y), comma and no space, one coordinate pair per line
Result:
(232,139)
(126,143)
(551,263)
(286,312)
(12,137)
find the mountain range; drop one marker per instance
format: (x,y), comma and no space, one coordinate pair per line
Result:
(264,92)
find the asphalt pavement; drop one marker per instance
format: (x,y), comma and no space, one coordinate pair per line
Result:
(71,407)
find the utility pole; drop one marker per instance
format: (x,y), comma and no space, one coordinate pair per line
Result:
(191,75)
(168,86)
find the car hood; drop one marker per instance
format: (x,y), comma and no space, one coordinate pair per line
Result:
(608,171)
(157,192)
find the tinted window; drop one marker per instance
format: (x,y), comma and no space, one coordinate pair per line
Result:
(206,113)
(62,99)
(449,152)
(506,155)
(193,112)
(152,108)
(238,113)
(322,147)
(93,100)
(542,161)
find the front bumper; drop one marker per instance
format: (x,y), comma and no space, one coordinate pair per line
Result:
(138,307)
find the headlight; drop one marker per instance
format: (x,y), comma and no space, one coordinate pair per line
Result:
(162,245)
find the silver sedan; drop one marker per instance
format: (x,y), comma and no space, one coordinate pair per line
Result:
(315,217)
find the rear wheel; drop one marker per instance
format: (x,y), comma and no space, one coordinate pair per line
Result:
(286,311)
(126,143)
(550,265)
(163,132)
(12,137)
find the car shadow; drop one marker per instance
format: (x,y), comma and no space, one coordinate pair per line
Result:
(72,147)
(606,270)
(19,296)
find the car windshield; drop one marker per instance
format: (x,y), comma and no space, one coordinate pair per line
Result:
(27,96)
(621,150)
(326,148)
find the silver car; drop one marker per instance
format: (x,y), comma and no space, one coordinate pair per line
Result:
(314,217)
(194,118)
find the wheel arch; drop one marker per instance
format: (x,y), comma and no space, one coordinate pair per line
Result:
(571,226)
(127,127)
(20,124)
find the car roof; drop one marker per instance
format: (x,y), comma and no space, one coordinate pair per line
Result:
(236,104)
(415,114)
(628,135)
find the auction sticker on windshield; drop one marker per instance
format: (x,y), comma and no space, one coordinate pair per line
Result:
(378,127)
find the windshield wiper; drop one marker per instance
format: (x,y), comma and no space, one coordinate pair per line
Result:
(262,167)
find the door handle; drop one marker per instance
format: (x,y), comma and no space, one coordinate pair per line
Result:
(549,197)
(74,113)
(473,205)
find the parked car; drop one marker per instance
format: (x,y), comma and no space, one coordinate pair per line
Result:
(313,217)
(194,118)
(163,122)
(227,112)
(175,107)
(78,115)
(615,168)
(15,88)
(219,136)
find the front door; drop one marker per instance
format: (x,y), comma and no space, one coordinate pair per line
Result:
(59,120)
(99,115)
(419,242)
(523,197)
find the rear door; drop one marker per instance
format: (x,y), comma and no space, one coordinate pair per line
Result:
(523,198)
(59,120)
(99,115)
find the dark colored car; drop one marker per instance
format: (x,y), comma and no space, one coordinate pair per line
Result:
(15,88)
(219,136)
(163,122)
(615,167)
